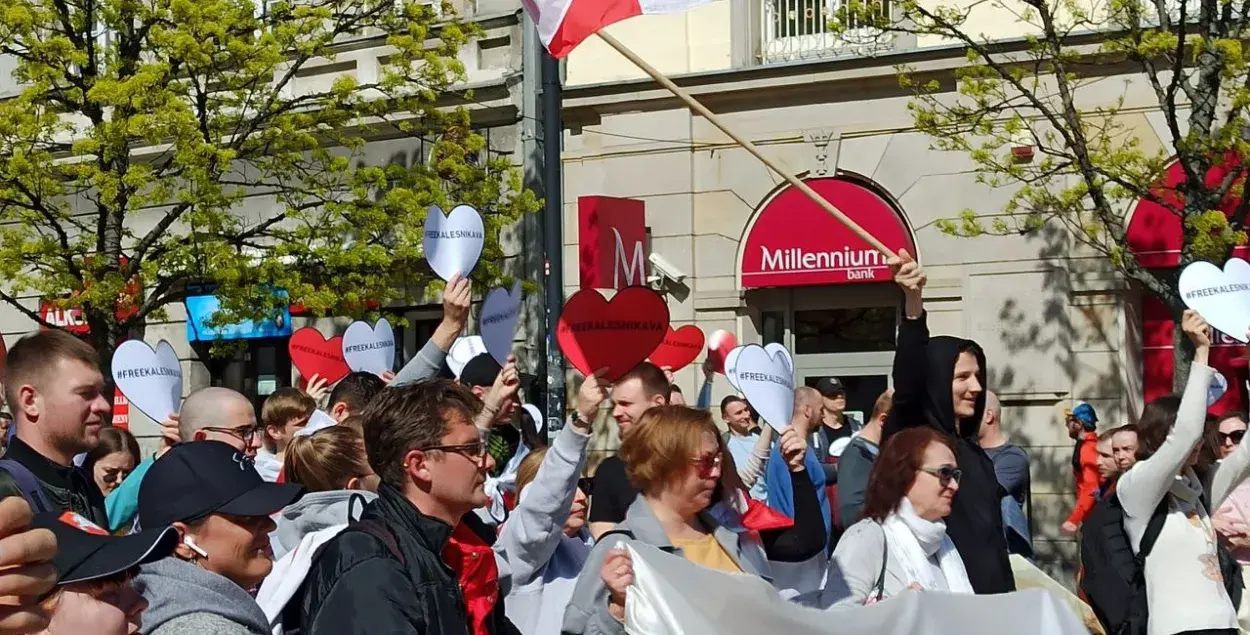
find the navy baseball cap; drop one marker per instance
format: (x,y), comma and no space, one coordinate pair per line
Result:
(85,551)
(193,480)
(482,371)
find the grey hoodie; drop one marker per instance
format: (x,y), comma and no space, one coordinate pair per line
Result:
(184,599)
(314,512)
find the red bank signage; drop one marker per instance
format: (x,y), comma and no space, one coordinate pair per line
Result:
(611,242)
(794,243)
(1154,230)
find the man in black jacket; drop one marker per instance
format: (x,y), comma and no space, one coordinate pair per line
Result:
(55,391)
(390,572)
(940,382)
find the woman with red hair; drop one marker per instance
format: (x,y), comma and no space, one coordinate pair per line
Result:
(901,543)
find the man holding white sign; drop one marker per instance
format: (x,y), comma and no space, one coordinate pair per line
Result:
(56,393)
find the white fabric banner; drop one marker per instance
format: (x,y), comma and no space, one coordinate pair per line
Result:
(672,596)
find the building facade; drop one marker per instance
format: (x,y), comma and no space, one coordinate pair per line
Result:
(758,259)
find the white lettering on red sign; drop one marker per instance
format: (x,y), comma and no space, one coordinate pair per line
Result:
(636,267)
(796,259)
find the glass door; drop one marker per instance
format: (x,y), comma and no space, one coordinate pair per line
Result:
(861,390)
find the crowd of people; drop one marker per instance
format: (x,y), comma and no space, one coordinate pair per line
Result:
(429,502)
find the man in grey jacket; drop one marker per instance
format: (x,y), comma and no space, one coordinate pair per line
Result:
(857,461)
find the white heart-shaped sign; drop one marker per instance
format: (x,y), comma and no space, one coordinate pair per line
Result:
(150,379)
(369,349)
(540,423)
(453,242)
(767,382)
(463,350)
(731,367)
(1219,386)
(318,421)
(1222,298)
(500,312)
(775,348)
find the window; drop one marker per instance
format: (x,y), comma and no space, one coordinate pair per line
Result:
(799,30)
(867,330)
(774,329)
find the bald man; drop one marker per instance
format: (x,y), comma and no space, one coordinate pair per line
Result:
(806,420)
(1011,464)
(208,414)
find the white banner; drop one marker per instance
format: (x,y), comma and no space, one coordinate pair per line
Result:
(672,596)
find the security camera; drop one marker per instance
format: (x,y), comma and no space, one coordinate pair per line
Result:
(665,268)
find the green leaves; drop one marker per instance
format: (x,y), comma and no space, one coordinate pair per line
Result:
(217,144)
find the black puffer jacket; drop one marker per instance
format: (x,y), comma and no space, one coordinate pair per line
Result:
(357,586)
(923,371)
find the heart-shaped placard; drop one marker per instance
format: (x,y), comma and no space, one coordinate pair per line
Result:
(453,242)
(767,382)
(313,354)
(615,334)
(679,348)
(150,379)
(775,348)
(1222,298)
(369,349)
(463,350)
(501,310)
(1215,391)
(731,367)
(719,343)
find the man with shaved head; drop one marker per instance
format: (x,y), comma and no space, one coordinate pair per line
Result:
(208,414)
(1011,464)
(806,421)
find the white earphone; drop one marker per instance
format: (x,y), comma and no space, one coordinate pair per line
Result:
(190,543)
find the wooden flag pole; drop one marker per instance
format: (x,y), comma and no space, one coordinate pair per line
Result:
(746,145)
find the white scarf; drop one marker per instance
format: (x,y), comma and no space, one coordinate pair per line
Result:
(913,540)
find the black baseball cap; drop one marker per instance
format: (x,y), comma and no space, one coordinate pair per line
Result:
(85,551)
(193,480)
(830,387)
(482,371)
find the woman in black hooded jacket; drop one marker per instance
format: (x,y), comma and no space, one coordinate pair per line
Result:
(924,374)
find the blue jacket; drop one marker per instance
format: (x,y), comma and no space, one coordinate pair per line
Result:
(781,492)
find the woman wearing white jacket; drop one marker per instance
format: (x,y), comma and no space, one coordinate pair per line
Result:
(1184,588)
(545,541)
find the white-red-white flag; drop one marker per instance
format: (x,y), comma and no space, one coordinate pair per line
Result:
(563,24)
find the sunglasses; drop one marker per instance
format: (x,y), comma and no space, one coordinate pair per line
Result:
(706,464)
(945,474)
(586,484)
(1235,436)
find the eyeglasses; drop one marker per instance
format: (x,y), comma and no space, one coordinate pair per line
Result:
(246,434)
(945,474)
(475,451)
(1235,437)
(706,463)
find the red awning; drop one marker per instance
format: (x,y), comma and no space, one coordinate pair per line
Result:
(1154,230)
(793,242)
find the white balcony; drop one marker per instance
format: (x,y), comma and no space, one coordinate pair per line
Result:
(798,30)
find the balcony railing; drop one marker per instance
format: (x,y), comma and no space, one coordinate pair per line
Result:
(799,30)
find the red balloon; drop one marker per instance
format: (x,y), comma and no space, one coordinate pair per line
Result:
(312,354)
(679,348)
(718,347)
(617,334)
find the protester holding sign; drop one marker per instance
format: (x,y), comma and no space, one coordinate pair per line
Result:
(224,551)
(636,392)
(674,454)
(545,541)
(901,543)
(457,298)
(1184,588)
(55,390)
(939,382)
(208,414)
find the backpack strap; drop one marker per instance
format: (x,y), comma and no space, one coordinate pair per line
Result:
(879,587)
(380,531)
(32,491)
(623,532)
(1153,528)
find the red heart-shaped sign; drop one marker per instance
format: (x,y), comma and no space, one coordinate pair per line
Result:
(718,347)
(615,334)
(312,354)
(679,348)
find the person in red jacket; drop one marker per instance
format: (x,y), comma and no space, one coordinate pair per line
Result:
(1081,422)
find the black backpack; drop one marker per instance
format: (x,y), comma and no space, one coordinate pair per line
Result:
(1114,581)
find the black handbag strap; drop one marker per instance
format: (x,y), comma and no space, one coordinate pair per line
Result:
(879,587)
